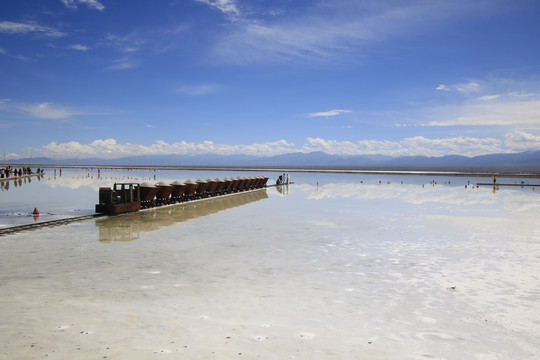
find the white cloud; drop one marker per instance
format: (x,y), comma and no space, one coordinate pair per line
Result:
(470,87)
(418,145)
(522,141)
(22,58)
(18,57)
(125,63)
(12,156)
(45,110)
(109,148)
(303,39)
(466,146)
(9,27)
(329,113)
(443,87)
(504,112)
(79,47)
(484,102)
(466,88)
(48,110)
(227,7)
(93,4)
(202,89)
(153,41)
(327,30)
(413,146)
(126,43)
(488,97)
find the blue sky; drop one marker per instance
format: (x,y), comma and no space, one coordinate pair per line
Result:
(114,78)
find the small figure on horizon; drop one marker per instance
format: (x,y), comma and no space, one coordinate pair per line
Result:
(494,179)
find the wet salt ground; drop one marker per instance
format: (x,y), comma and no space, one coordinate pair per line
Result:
(340,271)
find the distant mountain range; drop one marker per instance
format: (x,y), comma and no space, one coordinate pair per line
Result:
(528,161)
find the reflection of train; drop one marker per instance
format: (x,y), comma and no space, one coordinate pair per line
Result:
(128,197)
(129,226)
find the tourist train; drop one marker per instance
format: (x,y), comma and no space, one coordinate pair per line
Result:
(128,197)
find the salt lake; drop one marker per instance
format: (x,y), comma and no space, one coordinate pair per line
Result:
(334,266)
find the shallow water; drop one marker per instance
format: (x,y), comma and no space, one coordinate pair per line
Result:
(334,266)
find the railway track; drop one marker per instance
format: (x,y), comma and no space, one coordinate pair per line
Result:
(47,224)
(60,222)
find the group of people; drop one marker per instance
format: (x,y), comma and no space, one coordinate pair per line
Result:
(8,172)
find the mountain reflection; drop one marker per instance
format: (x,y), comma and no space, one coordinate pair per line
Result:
(130,226)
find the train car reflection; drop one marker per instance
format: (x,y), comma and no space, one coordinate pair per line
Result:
(128,227)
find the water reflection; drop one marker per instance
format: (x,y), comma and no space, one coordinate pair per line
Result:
(130,226)
(18,182)
(94,179)
(515,199)
(283,189)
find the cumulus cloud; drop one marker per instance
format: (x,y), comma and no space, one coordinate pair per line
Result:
(522,141)
(12,156)
(23,28)
(461,145)
(329,113)
(93,4)
(110,149)
(419,145)
(515,141)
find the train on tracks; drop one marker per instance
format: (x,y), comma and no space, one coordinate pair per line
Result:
(129,197)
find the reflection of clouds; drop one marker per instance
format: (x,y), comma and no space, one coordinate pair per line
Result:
(76,183)
(326,224)
(522,201)
(494,222)
(91,180)
(515,200)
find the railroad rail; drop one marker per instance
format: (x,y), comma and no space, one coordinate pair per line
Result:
(47,224)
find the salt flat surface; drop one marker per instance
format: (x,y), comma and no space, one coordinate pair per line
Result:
(334,267)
